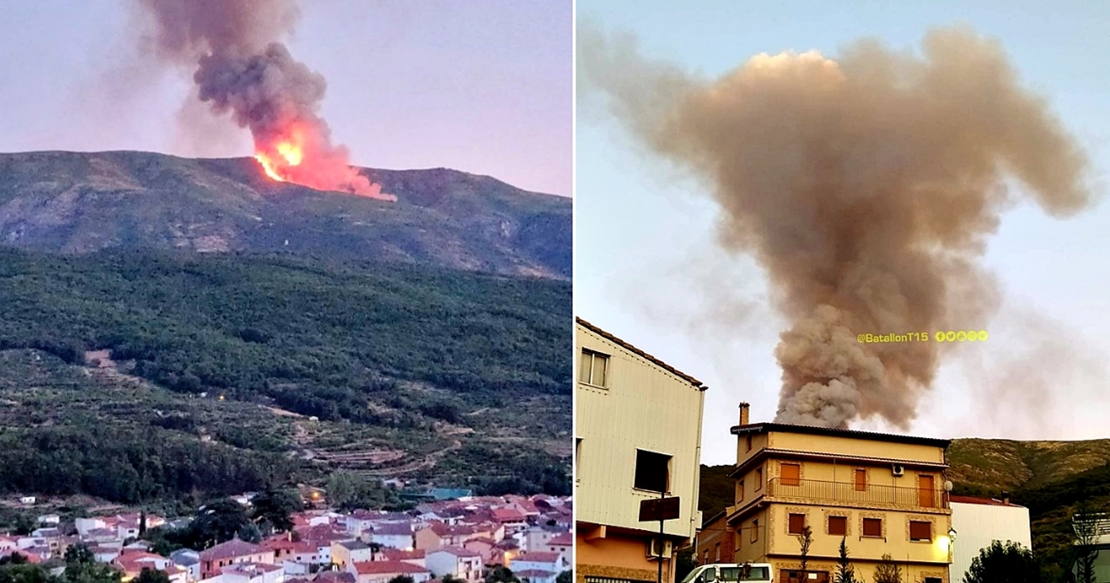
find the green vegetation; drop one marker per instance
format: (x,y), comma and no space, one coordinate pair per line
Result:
(80,567)
(887,571)
(717,490)
(348,491)
(845,572)
(216,364)
(1009,563)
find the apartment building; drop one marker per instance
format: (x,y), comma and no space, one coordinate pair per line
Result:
(638,435)
(882,494)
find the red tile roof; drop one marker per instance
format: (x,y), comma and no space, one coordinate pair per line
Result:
(402,555)
(230,549)
(507,515)
(458,552)
(563,539)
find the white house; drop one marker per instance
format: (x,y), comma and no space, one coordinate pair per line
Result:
(251,573)
(383,571)
(978,522)
(540,561)
(536,576)
(392,534)
(50,519)
(189,560)
(456,562)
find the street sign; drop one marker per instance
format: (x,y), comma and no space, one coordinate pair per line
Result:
(659,509)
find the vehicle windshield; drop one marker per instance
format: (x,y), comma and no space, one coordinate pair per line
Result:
(709,574)
(745,573)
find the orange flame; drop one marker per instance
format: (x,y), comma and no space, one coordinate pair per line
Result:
(283,155)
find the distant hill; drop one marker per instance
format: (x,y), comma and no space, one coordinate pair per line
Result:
(1051,478)
(74,202)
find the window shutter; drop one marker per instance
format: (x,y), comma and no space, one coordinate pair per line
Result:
(791,474)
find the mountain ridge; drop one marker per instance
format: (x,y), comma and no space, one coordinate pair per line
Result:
(79,202)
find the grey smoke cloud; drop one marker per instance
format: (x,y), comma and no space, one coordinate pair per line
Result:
(866,187)
(241,69)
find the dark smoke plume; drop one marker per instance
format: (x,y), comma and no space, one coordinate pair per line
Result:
(866,188)
(241,69)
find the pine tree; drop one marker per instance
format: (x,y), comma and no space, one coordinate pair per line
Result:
(845,572)
(887,571)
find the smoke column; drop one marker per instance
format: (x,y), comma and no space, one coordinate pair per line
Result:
(865,187)
(241,69)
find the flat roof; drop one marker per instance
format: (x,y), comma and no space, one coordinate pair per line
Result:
(639,352)
(754,428)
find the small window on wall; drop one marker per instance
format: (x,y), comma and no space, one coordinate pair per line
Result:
(838,525)
(791,474)
(861,479)
(796,523)
(921,530)
(749,442)
(759,479)
(873,527)
(740,491)
(755,530)
(593,368)
(652,471)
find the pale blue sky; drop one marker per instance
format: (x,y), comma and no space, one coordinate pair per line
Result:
(646,264)
(483,87)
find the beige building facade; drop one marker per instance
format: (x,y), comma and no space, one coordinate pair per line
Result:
(882,494)
(638,433)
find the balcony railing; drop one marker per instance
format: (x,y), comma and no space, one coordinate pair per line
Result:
(849,492)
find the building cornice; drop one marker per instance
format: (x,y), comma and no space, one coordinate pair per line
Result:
(794,454)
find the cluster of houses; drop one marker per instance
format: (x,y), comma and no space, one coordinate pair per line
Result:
(461,539)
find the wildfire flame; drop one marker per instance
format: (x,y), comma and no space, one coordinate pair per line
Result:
(284,155)
(296,156)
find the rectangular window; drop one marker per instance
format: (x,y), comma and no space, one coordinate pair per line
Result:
(652,471)
(749,442)
(759,479)
(838,525)
(873,527)
(717,552)
(791,474)
(861,479)
(740,491)
(705,561)
(921,531)
(593,368)
(755,530)
(796,523)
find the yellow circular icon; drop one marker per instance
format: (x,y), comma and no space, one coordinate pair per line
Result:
(939,336)
(972,335)
(982,335)
(961,336)
(950,336)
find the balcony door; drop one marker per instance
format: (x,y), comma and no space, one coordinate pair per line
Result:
(926,493)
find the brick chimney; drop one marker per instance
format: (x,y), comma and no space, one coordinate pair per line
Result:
(744,413)
(1005,497)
